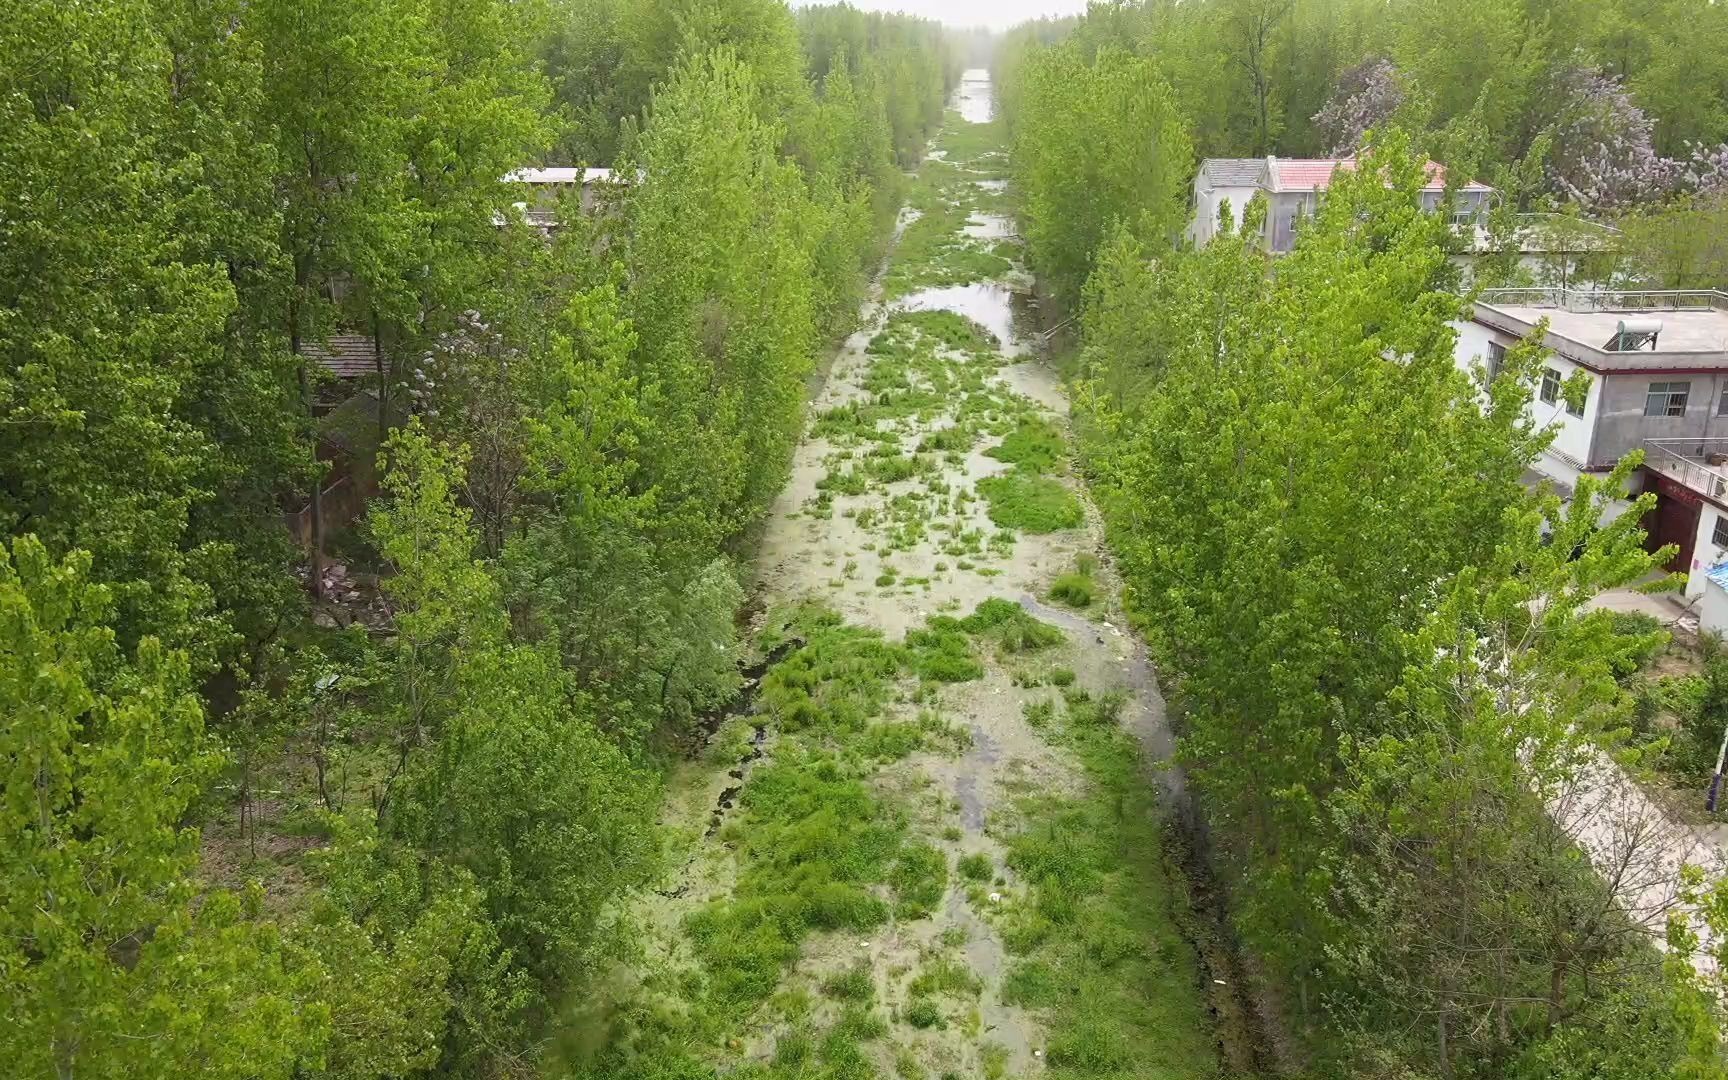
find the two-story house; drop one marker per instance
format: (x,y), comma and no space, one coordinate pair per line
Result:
(1657,368)
(1293,188)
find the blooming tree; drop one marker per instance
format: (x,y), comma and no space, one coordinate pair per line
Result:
(1366,97)
(1603,155)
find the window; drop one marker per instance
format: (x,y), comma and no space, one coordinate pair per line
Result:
(1578,409)
(1667,399)
(1496,359)
(1722,402)
(1550,386)
(1719,535)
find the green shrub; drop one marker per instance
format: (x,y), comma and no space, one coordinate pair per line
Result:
(976,867)
(925,1015)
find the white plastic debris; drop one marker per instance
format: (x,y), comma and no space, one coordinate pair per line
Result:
(1037,1053)
(995,898)
(863,944)
(1220,982)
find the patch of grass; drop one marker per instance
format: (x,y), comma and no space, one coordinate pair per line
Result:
(976,867)
(1033,446)
(925,1015)
(1031,503)
(944,977)
(853,984)
(1076,588)
(1061,677)
(920,879)
(860,1023)
(1010,627)
(1096,948)
(942,652)
(813,841)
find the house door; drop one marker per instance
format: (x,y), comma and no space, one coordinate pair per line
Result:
(1674,521)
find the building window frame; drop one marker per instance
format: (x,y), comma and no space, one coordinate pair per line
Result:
(1496,359)
(1583,400)
(1667,399)
(1550,390)
(1719,531)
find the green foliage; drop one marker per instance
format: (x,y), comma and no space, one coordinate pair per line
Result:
(105,754)
(1339,704)
(1034,446)
(1099,139)
(1033,503)
(976,867)
(920,879)
(813,843)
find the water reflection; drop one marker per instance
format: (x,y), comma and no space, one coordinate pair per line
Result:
(974,101)
(990,304)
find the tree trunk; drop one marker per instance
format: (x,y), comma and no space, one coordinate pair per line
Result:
(315,579)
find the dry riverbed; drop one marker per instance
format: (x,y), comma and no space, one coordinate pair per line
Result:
(927,844)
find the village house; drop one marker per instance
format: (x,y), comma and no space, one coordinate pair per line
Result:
(1293,188)
(546,186)
(1656,364)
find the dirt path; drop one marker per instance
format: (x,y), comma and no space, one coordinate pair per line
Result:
(929,849)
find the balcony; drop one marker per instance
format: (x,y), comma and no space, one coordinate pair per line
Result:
(1699,464)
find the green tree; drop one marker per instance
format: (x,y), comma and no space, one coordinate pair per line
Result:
(111,962)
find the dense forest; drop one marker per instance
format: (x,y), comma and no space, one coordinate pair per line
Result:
(1389,683)
(198,196)
(381,520)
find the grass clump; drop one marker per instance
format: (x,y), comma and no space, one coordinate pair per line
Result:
(1011,627)
(1076,587)
(853,984)
(945,977)
(920,879)
(1030,502)
(976,867)
(837,681)
(925,1015)
(813,842)
(1033,446)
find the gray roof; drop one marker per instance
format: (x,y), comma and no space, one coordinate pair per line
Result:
(1236,172)
(346,356)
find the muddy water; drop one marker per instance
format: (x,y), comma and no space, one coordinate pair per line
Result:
(976,102)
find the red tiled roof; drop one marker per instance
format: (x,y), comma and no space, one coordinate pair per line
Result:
(1315,174)
(346,356)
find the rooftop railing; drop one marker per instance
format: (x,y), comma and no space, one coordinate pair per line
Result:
(1700,464)
(1588,300)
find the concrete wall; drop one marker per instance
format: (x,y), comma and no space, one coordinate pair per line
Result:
(1623,426)
(1713,610)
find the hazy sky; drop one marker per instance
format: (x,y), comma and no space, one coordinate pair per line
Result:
(999,14)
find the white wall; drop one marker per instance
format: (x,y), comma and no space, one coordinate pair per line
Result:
(1705,551)
(1206,203)
(1713,609)
(1570,449)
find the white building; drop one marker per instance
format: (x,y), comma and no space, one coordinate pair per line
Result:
(1293,187)
(1656,364)
(547,186)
